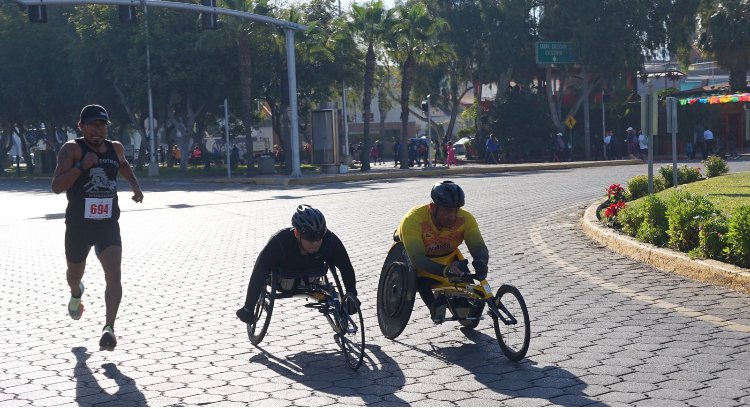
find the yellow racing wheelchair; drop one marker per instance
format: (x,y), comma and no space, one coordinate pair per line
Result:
(466,297)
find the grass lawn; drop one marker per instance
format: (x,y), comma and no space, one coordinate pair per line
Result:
(727,192)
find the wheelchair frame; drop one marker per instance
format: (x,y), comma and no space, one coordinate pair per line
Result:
(315,285)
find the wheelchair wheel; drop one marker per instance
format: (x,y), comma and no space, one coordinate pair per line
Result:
(397,288)
(515,336)
(352,334)
(262,312)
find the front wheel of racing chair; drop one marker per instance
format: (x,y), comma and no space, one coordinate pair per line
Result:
(514,320)
(262,311)
(351,335)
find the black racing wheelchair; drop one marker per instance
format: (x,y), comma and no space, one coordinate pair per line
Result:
(344,315)
(466,298)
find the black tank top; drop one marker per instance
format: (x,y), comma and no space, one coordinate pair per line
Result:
(93,196)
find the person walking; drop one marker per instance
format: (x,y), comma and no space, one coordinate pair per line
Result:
(708,143)
(450,155)
(490,149)
(86,171)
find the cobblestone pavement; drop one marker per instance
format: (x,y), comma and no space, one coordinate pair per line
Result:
(606,330)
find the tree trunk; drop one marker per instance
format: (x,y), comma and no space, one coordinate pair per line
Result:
(407,80)
(738,78)
(246,77)
(366,101)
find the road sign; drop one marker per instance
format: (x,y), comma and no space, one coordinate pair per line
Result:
(555,52)
(570,122)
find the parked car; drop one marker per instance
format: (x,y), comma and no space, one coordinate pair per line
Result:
(461,146)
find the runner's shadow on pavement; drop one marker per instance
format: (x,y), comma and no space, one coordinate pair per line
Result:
(90,393)
(524,379)
(375,382)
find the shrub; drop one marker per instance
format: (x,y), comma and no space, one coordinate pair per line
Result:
(685,174)
(738,237)
(685,213)
(712,237)
(638,185)
(646,221)
(715,166)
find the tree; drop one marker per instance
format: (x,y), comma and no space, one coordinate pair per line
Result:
(414,41)
(725,34)
(632,29)
(369,25)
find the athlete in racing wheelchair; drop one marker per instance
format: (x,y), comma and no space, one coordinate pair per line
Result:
(425,257)
(296,262)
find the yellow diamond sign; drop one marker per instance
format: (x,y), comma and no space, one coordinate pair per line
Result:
(570,122)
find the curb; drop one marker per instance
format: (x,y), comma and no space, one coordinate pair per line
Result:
(356,176)
(710,271)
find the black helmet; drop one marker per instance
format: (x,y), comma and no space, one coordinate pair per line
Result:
(447,194)
(309,222)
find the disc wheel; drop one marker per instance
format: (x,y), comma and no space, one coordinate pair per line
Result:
(475,312)
(514,338)
(352,334)
(262,311)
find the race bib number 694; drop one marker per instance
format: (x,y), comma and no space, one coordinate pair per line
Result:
(98,208)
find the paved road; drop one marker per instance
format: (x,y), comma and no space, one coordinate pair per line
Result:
(606,330)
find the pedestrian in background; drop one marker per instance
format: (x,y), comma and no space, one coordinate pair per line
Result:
(451,155)
(708,143)
(490,149)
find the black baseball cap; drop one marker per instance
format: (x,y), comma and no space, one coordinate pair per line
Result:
(92,113)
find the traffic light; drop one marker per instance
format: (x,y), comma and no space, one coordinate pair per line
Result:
(38,14)
(127,14)
(425,107)
(209,20)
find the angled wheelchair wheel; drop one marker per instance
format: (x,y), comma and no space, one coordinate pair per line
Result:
(513,328)
(352,333)
(396,291)
(262,311)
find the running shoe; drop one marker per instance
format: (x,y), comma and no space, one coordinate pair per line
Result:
(108,341)
(75,307)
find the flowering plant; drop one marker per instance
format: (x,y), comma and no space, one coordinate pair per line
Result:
(610,213)
(616,193)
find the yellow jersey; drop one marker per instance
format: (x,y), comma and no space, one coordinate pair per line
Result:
(424,241)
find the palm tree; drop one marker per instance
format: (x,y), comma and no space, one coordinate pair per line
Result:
(370,24)
(415,41)
(245,35)
(726,35)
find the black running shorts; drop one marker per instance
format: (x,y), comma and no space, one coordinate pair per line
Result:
(80,237)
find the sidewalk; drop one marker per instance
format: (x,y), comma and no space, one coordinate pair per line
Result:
(391,172)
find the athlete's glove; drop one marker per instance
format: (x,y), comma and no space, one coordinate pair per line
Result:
(480,269)
(351,303)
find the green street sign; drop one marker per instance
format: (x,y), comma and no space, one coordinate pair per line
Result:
(554,52)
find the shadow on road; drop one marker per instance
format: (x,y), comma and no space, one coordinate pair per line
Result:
(524,379)
(90,393)
(375,382)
